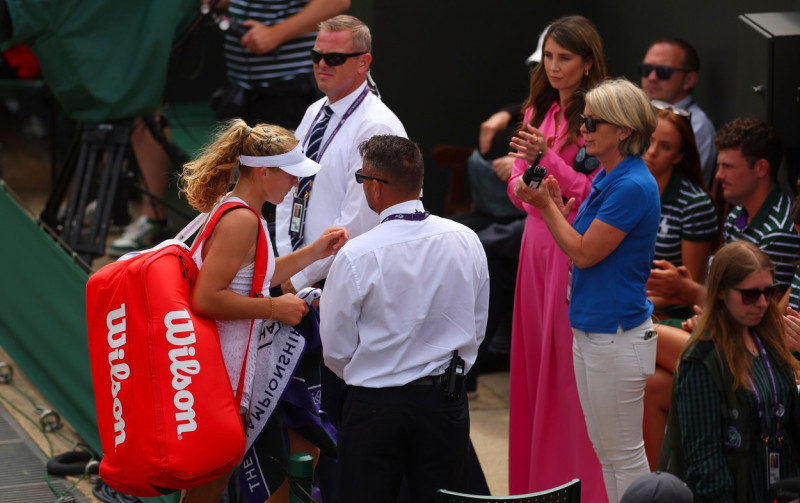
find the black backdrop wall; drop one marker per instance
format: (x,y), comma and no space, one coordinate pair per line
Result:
(444,66)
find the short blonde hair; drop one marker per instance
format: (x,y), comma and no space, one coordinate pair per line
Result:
(362,38)
(624,104)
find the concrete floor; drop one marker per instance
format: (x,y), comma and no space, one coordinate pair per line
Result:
(25,166)
(489,432)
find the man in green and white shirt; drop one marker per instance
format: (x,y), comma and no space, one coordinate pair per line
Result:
(749,155)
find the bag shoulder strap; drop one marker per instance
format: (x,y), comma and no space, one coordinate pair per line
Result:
(262,253)
(259,271)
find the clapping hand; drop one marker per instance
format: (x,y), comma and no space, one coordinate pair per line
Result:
(548,191)
(528,142)
(791,325)
(690,325)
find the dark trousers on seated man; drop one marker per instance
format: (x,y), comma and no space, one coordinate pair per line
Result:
(412,431)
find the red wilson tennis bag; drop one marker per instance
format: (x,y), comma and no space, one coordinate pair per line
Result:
(165,411)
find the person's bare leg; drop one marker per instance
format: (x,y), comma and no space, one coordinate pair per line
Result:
(670,344)
(210,492)
(154,165)
(297,444)
(658,389)
(657,395)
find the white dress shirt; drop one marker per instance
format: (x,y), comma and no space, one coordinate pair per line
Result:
(401,297)
(336,199)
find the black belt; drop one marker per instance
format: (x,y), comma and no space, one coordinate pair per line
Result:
(426,381)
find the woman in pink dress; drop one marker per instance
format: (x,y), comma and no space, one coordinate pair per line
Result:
(548,441)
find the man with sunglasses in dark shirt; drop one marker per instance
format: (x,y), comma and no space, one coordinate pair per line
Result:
(669,73)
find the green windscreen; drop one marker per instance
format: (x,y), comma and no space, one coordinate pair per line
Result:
(43,318)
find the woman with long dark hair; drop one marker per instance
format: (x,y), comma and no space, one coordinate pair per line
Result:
(610,245)
(546,422)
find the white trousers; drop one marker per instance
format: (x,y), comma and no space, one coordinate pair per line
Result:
(611,370)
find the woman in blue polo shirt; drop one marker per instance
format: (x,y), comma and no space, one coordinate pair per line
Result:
(611,246)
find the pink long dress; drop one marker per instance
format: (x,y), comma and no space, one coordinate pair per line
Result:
(548,441)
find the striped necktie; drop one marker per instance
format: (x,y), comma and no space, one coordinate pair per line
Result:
(306,182)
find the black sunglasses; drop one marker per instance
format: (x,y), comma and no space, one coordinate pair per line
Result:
(751,295)
(360,177)
(663,105)
(592,122)
(663,72)
(333,58)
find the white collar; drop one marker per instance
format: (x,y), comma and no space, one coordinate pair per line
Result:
(411,206)
(340,107)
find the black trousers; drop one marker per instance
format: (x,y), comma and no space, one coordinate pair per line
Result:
(388,433)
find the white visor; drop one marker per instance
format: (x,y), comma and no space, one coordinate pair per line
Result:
(293,162)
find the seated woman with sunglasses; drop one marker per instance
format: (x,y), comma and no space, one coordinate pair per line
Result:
(610,244)
(732,427)
(688,232)
(689,228)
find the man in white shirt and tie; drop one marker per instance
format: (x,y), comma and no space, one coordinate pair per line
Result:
(402,315)
(330,132)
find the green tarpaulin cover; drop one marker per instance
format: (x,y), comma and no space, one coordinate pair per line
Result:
(43,319)
(103,60)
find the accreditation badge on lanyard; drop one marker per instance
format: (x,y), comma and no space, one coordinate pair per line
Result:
(772,449)
(300,200)
(773,466)
(297,222)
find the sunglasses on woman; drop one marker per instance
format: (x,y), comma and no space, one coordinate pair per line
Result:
(592,122)
(751,295)
(333,58)
(663,105)
(663,72)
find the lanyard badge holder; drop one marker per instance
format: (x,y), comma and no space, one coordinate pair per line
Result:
(298,221)
(772,452)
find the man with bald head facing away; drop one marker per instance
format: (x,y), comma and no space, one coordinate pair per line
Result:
(402,315)
(669,72)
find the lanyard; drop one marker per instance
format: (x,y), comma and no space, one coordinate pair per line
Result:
(778,409)
(346,115)
(417,215)
(740,222)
